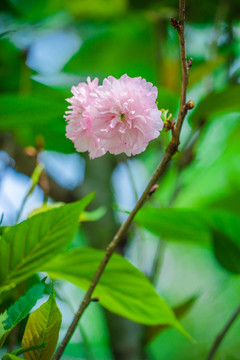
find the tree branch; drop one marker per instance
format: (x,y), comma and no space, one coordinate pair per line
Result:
(169,152)
(220,337)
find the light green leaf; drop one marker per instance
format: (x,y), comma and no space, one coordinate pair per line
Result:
(25,247)
(122,289)
(10,357)
(174,224)
(19,310)
(42,327)
(20,351)
(93,215)
(180,311)
(45,207)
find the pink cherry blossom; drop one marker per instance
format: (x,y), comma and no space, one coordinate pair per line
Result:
(118,116)
(79,127)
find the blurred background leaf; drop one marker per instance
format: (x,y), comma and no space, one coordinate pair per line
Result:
(48,46)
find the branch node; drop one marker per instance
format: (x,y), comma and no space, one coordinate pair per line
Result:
(94,299)
(172,147)
(189,63)
(153,189)
(169,125)
(175,24)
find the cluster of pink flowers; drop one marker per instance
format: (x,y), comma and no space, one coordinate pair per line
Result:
(118,116)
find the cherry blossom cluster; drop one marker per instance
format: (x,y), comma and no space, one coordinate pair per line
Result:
(118,116)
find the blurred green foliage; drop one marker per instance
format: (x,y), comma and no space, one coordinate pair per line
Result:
(48,46)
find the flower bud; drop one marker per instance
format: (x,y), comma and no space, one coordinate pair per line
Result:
(30,151)
(190,105)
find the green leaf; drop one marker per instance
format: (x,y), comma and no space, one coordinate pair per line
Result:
(122,289)
(25,247)
(217,103)
(19,310)
(174,223)
(42,327)
(180,311)
(21,351)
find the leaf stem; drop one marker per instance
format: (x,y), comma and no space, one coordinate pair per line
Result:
(222,334)
(34,179)
(171,149)
(21,207)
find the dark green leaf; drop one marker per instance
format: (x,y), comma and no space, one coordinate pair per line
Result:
(19,310)
(226,252)
(225,229)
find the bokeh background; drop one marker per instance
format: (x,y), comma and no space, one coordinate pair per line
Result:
(47,46)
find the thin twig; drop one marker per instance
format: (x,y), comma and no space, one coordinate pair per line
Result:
(158,260)
(220,337)
(169,152)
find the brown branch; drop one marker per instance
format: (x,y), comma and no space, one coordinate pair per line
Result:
(183,107)
(220,337)
(169,152)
